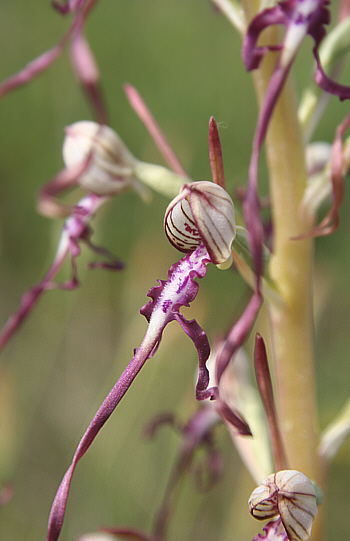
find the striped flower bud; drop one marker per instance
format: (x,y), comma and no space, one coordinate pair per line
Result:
(111,166)
(291,495)
(203,212)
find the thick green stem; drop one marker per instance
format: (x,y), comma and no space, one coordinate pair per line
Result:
(291,268)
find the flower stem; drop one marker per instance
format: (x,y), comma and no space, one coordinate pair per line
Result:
(291,268)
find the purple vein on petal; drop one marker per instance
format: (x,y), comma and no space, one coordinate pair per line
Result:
(146,117)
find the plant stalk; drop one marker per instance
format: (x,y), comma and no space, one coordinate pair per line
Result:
(291,267)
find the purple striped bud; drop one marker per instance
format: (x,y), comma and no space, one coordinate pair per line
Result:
(203,212)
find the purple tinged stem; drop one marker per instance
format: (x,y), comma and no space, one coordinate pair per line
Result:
(87,72)
(47,204)
(74,230)
(196,433)
(181,288)
(146,117)
(29,300)
(102,415)
(266,392)
(251,205)
(33,68)
(290,13)
(237,335)
(331,221)
(42,62)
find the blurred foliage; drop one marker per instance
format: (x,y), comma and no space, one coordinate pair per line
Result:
(184,58)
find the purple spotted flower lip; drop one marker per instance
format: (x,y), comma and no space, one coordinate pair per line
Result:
(273,531)
(166,300)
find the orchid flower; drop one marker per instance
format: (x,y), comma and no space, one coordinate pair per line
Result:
(166,300)
(96,160)
(208,215)
(288,494)
(300,17)
(200,222)
(75,231)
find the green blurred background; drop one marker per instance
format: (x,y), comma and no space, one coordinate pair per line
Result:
(184,58)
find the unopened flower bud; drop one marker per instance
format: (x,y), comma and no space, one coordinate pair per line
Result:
(317,156)
(291,495)
(203,212)
(111,167)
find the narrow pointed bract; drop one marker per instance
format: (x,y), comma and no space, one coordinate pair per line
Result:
(215,154)
(145,115)
(265,387)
